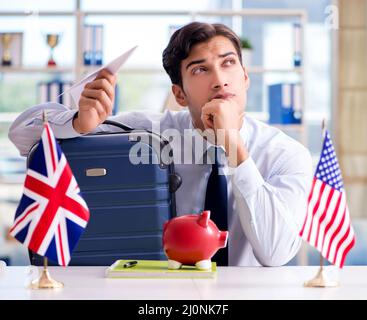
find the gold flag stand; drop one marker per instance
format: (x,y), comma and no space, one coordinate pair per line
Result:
(45,281)
(321,280)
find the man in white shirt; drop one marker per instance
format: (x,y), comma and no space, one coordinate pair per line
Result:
(270,173)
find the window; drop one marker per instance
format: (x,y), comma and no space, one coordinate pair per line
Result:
(272,40)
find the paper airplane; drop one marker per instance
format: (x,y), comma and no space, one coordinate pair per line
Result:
(114,66)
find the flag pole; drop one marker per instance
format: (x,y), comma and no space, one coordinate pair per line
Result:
(321,279)
(45,281)
(44,116)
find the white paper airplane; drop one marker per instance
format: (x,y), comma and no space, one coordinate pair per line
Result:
(114,66)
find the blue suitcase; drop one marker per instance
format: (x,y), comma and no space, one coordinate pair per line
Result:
(128,203)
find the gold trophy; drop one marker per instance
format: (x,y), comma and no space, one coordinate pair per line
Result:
(52,41)
(6,40)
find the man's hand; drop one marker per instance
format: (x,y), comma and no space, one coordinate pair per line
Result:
(96,102)
(224,116)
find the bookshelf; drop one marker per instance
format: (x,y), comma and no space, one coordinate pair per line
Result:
(78,69)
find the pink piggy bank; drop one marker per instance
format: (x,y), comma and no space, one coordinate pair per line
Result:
(192,240)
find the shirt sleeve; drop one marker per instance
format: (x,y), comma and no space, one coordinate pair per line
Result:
(27,128)
(271,211)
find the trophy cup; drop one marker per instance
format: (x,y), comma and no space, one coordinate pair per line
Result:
(6,41)
(52,41)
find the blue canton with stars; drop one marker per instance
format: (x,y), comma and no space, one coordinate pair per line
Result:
(328,169)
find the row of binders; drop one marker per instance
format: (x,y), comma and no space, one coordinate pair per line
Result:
(93,45)
(285,103)
(51,91)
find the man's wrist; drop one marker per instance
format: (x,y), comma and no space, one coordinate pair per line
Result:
(236,150)
(242,154)
(76,123)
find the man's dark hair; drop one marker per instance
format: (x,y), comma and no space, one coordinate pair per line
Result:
(185,38)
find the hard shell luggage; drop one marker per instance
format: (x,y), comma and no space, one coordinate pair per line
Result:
(128,202)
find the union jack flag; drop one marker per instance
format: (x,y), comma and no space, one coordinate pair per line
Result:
(51,215)
(327,225)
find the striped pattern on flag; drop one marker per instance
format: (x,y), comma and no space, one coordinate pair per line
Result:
(51,215)
(327,225)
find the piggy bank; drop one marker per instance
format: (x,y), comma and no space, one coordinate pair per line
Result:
(192,240)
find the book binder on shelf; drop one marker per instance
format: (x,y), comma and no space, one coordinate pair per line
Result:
(285,103)
(50,91)
(93,45)
(297,54)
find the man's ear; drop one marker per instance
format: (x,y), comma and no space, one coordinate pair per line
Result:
(179,95)
(247,78)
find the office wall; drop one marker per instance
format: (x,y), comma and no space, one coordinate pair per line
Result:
(351,112)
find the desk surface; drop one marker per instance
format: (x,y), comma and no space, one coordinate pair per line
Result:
(231,283)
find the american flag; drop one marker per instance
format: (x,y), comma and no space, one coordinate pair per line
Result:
(327,225)
(51,215)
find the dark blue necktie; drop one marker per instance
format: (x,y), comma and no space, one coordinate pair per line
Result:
(216,202)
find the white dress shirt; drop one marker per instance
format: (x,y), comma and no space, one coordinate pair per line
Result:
(267,193)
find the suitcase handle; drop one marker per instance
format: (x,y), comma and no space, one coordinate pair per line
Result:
(175,180)
(119,125)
